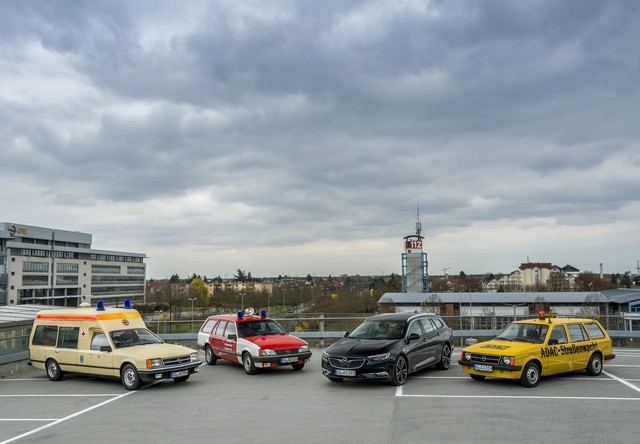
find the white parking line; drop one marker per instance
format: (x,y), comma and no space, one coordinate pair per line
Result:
(581,398)
(623,381)
(66,418)
(97,395)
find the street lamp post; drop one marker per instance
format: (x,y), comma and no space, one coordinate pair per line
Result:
(158,313)
(192,299)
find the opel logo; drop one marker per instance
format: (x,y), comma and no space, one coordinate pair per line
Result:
(288,352)
(344,360)
(484,358)
(179,360)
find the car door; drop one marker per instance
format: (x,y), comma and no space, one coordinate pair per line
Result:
(66,351)
(230,341)
(433,340)
(98,360)
(578,337)
(205,332)
(416,349)
(556,361)
(216,339)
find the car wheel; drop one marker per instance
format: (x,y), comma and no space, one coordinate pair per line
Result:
(297,366)
(332,379)
(445,357)
(130,378)
(209,356)
(247,363)
(530,375)
(400,371)
(477,377)
(594,367)
(181,378)
(53,370)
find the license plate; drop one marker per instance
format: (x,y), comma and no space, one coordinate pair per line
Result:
(179,374)
(344,372)
(482,368)
(288,359)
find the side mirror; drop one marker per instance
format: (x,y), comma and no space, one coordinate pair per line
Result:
(105,348)
(413,337)
(553,341)
(232,337)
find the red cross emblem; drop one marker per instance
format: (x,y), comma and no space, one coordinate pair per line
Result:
(83,334)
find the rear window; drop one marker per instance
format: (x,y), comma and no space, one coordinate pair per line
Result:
(594,331)
(577,333)
(45,335)
(208,326)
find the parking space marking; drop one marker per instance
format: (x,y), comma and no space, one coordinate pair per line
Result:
(623,381)
(66,418)
(580,398)
(97,395)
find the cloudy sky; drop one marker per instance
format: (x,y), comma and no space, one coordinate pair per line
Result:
(299,137)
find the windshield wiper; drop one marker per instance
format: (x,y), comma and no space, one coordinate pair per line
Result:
(504,339)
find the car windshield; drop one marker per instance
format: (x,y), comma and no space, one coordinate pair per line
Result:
(378,330)
(533,333)
(133,336)
(259,328)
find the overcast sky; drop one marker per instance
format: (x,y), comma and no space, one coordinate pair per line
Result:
(299,137)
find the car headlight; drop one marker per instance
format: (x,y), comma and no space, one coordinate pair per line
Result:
(467,356)
(325,357)
(194,357)
(154,363)
(266,352)
(382,357)
(509,360)
(303,349)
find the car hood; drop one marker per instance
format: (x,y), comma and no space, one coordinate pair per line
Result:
(364,347)
(501,347)
(276,342)
(152,351)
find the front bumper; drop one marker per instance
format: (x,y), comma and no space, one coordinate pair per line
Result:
(278,360)
(380,371)
(156,374)
(497,370)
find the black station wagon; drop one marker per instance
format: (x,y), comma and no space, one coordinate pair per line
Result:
(388,347)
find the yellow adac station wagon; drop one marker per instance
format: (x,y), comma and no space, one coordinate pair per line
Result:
(106,342)
(529,349)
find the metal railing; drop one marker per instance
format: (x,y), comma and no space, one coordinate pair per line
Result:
(319,330)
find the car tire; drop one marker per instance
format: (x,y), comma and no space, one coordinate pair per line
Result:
(297,366)
(209,357)
(530,375)
(594,367)
(130,378)
(181,378)
(53,370)
(400,371)
(332,379)
(445,357)
(477,377)
(247,363)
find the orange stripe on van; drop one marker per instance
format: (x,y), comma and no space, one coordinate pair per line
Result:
(88,316)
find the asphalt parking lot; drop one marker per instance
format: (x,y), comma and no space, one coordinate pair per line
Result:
(222,404)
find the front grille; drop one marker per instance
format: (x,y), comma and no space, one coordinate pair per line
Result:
(485,359)
(180,360)
(289,351)
(346,363)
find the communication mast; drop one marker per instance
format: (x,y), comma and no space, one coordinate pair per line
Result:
(414,262)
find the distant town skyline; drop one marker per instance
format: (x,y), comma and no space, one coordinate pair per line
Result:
(298,137)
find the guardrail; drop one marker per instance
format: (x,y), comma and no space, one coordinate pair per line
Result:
(319,331)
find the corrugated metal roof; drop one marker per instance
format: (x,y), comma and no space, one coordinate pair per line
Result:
(10,313)
(492,298)
(622,295)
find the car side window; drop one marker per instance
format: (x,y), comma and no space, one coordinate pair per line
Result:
(68,337)
(98,340)
(559,334)
(594,331)
(220,328)
(577,333)
(208,326)
(438,322)
(414,327)
(427,325)
(230,330)
(45,335)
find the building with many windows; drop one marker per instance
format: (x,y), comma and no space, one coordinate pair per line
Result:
(47,266)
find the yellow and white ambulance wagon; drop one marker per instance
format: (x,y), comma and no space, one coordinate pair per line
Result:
(529,349)
(100,341)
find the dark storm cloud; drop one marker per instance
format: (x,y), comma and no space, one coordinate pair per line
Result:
(329,121)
